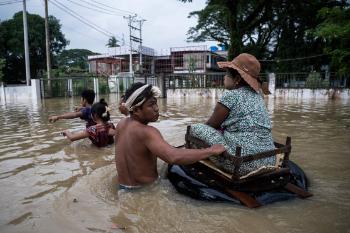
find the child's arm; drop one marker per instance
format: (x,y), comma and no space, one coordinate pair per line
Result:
(75,136)
(68,115)
(111,132)
(218,116)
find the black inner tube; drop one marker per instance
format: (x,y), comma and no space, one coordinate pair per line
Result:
(186,183)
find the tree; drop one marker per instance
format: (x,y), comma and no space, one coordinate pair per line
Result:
(269,29)
(335,31)
(231,23)
(73,58)
(12,45)
(2,65)
(112,42)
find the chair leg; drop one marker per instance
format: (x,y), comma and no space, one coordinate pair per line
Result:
(244,198)
(295,189)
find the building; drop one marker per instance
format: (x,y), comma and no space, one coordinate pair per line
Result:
(179,60)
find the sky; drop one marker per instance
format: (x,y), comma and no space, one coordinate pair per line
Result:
(166,22)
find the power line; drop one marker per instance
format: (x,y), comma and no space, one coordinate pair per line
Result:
(105,12)
(126,12)
(81,18)
(94,7)
(293,59)
(84,20)
(10,2)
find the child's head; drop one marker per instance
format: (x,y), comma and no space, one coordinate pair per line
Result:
(100,110)
(87,96)
(140,99)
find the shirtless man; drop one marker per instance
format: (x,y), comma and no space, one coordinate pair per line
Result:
(138,145)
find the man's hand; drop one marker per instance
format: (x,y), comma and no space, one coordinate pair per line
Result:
(217,149)
(53,119)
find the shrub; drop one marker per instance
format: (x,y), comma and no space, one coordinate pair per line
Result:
(314,81)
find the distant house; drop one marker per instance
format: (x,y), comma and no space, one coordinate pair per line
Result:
(195,59)
(192,59)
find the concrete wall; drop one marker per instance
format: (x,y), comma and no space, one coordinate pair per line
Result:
(309,94)
(278,93)
(20,93)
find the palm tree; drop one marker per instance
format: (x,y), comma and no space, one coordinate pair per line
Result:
(112,42)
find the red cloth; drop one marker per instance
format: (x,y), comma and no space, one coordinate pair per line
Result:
(98,134)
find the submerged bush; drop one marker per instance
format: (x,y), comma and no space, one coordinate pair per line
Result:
(315,81)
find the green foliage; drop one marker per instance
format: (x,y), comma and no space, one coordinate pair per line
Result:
(103,85)
(314,81)
(12,45)
(121,85)
(269,29)
(2,65)
(73,59)
(335,31)
(112,42)
(191,64)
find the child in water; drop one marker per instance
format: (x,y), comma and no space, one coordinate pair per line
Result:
(83,112)
(101,134)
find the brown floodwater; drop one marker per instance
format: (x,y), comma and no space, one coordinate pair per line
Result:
(51,185)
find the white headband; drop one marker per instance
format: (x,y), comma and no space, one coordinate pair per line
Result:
(128,103)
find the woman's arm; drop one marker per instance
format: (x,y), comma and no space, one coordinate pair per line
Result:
(220,113)
(75,136)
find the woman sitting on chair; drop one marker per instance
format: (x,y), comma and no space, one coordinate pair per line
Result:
(240,118)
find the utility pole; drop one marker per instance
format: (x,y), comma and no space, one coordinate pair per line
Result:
(48,59)
(133,38)
(130,19)
(141,22)
(26,46)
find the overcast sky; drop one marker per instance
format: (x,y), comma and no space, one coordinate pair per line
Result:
(166,22)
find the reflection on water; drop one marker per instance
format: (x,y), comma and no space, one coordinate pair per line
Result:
(51,185)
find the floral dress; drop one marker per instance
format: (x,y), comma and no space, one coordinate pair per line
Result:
(247,125)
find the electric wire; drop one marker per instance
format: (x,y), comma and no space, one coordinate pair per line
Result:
(85,21)
(293,59)
(81,18)
(10,2)
(127,12)
(95,9)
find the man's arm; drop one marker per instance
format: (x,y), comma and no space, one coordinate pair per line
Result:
(159,147)
(75,136)
(68,115)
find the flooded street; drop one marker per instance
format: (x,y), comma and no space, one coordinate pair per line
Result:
(51,185)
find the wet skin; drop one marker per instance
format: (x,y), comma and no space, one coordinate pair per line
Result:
(138,146)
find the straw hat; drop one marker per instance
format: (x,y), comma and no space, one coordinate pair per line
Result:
(247,66)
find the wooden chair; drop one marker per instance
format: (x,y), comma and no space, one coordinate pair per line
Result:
(263,179)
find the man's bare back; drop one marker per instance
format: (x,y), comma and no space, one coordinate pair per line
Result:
(135,163)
